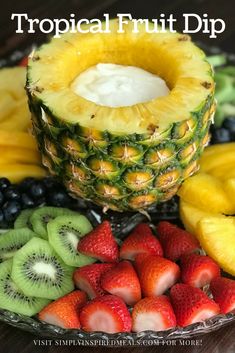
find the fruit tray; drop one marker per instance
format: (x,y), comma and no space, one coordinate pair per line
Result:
(122,224)
(44,330)
(128,221)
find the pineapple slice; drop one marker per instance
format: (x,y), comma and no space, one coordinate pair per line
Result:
(19,155)
(217,238)
(17,139)
(206,192)
(211,161)
(230,189)
(218,148)
(223,172)
(7,104)
(19,119)
(191,215)
(12,80)
(17,172)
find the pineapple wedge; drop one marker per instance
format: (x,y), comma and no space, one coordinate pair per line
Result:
(230,189)
(207,193)
(218,148)
(7,104)
(19,155)
(12,80)
(217,238)
(17,172)
(214,160)
(223,172)
(17,139)
(191,215)
(19,119)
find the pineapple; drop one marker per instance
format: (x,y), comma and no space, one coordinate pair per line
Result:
(230,189)
(190,216)
(125,158)
(217,237)
(207,193)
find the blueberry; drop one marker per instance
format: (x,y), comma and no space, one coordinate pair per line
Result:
(220,135)
(1,198)
(11,210)
(39,201)
(58,198)
(1,217)
(4,183)
(37,190)
(27,201)
(26,183)
(229,123)
(12,193)
(3,223)
(51,183)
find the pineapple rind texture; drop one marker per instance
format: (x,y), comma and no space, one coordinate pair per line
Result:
(98,158)
(142,174)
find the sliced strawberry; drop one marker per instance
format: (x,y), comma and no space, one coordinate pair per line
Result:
(24,61)
(198,270)
(141,240)
(191,304)
(153,314)
(138,261)
(100,244)
(108,313)
(87,278)
(122,280)
(223,290)
(175,241)
(64,311)
(156,274)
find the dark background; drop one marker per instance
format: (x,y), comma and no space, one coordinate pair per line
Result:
(13,340)
(9,40)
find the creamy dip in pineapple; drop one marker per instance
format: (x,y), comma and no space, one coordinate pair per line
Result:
(114,85)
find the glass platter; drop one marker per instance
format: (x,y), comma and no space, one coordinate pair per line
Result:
(122,224)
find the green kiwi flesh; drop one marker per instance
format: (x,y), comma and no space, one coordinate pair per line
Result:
(64,233)
(13,299)
(13,240)
(43,215)
(39,271)
(23,220)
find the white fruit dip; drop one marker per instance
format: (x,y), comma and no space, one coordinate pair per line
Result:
(115,86)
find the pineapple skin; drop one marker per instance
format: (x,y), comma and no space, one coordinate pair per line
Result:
(122,166)
(128,172)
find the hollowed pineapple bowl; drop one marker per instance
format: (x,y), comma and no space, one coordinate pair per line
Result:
(130,157)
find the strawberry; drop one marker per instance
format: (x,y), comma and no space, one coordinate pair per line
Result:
(141,240)
(191,304)
(122,280)
(107,313)
(198,270)
(175,241)
(153,314)
(138,261)
(223,290)
(156,274)
(100,244)
(63,312)
(87,278)
(24,61)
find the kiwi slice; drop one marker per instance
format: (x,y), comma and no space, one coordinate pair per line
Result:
(23,220)
(224,88)
(12,298)
(13,240)
(38,271)
(43,215)
(64,233)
